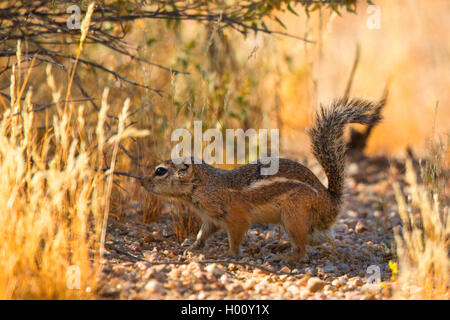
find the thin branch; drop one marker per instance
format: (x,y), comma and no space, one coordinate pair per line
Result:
(86,62)
(177,262)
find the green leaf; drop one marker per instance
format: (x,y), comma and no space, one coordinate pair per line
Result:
(317,6)
(265,26)
(255,27)
(292,10)
(335,9)
(150,41)
(280,22)
(250,9)
(234,115)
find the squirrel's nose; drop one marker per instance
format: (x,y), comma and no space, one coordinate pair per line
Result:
(145,182)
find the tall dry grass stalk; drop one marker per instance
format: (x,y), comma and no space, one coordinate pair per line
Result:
(84,31)
(423,243)
(55,204)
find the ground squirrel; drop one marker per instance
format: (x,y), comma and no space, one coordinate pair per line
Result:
(293,197)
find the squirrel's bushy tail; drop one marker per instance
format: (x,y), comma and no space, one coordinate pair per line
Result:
(327,136)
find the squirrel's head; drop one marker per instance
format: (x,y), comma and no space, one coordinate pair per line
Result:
(171,178)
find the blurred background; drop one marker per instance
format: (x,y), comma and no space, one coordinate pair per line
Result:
(274,81)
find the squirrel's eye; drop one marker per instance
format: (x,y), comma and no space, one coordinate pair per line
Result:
(160,171)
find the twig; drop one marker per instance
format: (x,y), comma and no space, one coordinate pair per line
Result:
(173,262)
(352,73)
(118,173)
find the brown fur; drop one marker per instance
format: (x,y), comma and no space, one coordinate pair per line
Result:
(293,197)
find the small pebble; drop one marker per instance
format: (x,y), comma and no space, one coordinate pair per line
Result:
(153,286)
(315,284)
(142,265)
(214,270)
(361,226)
(285,269)
(329,268)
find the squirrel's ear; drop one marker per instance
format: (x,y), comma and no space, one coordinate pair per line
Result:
(185,170)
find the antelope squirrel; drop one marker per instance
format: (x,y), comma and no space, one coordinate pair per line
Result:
(293,197)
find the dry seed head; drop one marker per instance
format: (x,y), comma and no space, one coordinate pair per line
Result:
(124,114)
(101,119)
(28,118)
(12,87)
(85,24)
(19,61)
(80,117)
(56,94)
(19,53)
(130,131)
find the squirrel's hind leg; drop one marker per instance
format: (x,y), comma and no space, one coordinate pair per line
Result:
(235,235)
(296,223)
(237,224)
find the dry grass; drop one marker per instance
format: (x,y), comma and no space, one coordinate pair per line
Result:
(424,241)
(186,223)
(53,207)
(55,204)
(151,207)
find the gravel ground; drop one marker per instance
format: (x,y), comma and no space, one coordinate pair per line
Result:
(364,243)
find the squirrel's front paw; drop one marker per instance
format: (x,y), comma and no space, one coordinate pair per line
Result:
(233,253)
(187,242)
(294,257)
(197,245)
(291,260)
